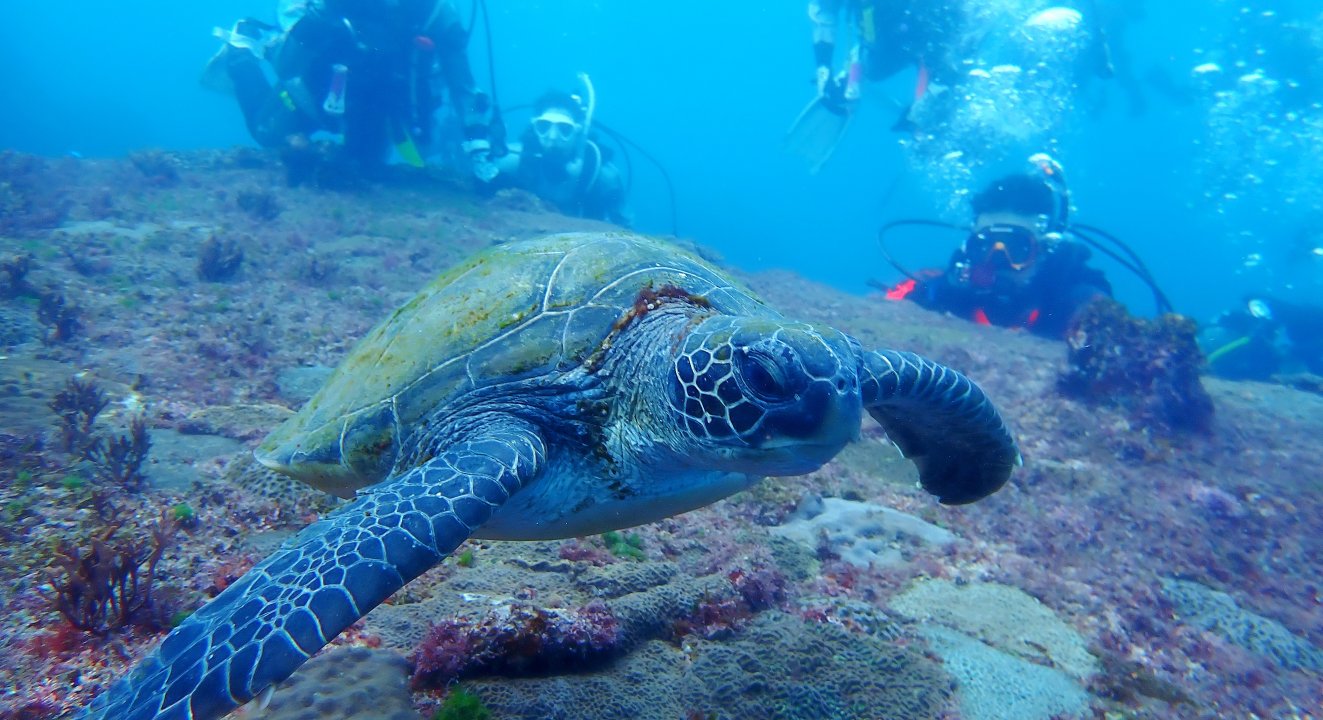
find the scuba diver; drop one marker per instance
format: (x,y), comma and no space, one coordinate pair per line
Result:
(1022,264)
(557,159)
(890,35)
(361,69)
(949,45)
(1263,338)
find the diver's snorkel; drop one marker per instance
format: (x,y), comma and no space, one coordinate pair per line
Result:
(589,106)
(1055,178)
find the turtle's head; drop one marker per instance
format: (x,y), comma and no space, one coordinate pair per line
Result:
(767,397)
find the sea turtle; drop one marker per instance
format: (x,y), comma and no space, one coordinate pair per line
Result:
(549,388)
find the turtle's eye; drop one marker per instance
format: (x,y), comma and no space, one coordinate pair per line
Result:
(764,377)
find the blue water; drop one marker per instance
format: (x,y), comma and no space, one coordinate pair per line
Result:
(710,89)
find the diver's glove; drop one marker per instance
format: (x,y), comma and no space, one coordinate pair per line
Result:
(823,77)
(479,151)
(483,135)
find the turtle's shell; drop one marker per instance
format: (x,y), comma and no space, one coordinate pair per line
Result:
(522,311)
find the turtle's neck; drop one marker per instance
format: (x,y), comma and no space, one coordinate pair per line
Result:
(637,371)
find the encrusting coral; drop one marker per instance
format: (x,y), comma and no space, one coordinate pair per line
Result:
(1148,367)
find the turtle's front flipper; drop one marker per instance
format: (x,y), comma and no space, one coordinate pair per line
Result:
(282,611)
(943,422)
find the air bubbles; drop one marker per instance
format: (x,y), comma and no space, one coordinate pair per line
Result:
(1056,19)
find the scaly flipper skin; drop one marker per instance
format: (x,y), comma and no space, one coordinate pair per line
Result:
(942,422)
(267,624)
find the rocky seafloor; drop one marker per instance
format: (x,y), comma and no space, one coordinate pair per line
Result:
(160,313)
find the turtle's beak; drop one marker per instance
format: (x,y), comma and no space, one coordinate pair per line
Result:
(800,456)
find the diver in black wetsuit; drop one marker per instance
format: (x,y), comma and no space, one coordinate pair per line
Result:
(362,69)
(891,35)
(1020,266)
(1264,337)
(559,160)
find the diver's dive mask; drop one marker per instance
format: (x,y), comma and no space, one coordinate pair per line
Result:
(555,129)
(1002,246)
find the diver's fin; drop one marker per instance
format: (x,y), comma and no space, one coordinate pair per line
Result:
(216,75)
(247,36)
(905,121)
(406,150)
(817,131)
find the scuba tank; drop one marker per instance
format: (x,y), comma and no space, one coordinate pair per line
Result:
(334,104)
